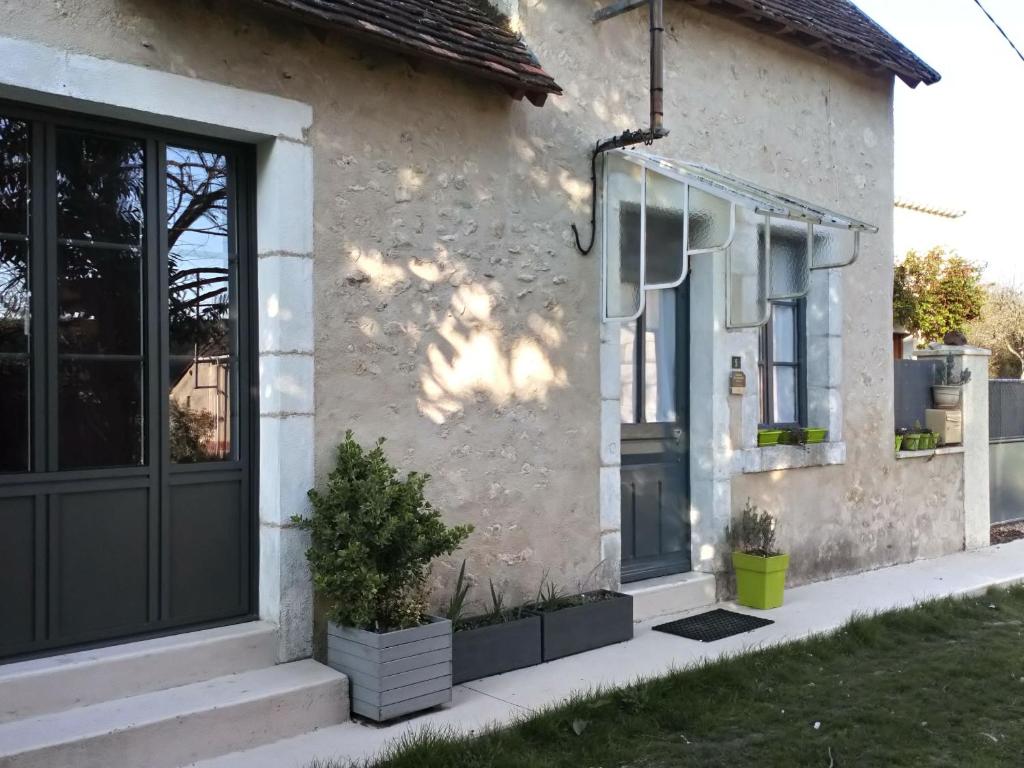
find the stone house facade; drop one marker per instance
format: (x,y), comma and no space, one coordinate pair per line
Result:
(418,279)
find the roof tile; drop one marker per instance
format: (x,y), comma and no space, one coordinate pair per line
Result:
(466,34)
(835,25)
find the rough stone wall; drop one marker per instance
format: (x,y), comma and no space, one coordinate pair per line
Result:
(453,314)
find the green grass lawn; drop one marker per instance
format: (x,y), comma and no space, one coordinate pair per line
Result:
(937,685)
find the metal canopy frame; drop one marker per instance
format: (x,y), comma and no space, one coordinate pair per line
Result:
(763,201)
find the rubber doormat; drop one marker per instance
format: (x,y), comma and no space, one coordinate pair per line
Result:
(713,625)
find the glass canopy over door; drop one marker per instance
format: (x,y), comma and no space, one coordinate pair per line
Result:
(659,212)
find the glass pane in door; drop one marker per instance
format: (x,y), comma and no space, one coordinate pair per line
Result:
(201,306)
(660,357)
(15,316)
(101,300)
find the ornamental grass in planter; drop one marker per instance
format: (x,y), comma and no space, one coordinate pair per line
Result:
(373,537)
(760,567)
(574,623)
(501,640)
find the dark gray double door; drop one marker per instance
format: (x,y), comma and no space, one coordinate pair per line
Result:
(126,412)
(655,439)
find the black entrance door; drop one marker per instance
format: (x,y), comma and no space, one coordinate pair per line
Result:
(126,411)
(655,440)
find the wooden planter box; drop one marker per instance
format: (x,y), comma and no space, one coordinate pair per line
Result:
(394,673)
(585,627)
(497,648)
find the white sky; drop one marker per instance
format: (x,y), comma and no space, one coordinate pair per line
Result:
(960,142)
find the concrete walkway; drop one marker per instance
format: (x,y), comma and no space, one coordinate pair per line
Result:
(810,609)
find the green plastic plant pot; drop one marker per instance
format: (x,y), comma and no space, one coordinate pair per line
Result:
(760,581)
(816,435)
(912,443)
(768,437)
(899,442)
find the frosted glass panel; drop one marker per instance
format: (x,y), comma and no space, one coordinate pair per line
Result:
(790,261)
(666,206)
(747,271)
(833,247)
(709,220)
(622,252)
(784,327)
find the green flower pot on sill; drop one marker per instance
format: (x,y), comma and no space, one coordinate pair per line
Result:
(768,437)
(760,581)
(816,435)
(899,442)
(912,443)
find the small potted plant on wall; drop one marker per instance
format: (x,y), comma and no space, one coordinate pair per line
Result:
(901,435)
(373,537)
(760,567)
(947,391)
(500,640)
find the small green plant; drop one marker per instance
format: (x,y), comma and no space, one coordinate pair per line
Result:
(946,376)
(794,436)
(457,601)
(374,536)
(755,532)
(497,612)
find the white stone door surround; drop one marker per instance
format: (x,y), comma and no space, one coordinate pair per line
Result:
(279,128)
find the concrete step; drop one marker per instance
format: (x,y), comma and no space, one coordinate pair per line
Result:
(671,594)
(178,726)
(37,687)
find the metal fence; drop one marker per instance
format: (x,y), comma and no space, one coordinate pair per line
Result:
(913,391)
(1006,451)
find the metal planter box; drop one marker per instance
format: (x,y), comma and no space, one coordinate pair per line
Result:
(497,648)
(394,673)
(588,626)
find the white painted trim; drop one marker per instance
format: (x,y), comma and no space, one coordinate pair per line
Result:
(40,75)
(46,76)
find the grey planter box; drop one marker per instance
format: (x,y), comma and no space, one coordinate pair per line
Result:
(588,626)
(497,648)
(394,673)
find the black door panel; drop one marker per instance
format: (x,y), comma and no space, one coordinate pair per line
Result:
(127,294)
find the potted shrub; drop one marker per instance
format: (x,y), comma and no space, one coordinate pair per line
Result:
(574,623)
(373,537)
(947,391)
(760,567)
(498,641)
(767,437)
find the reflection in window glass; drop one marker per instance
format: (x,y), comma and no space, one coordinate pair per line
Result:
(101,363)
(100,379)
(15,325)
(201,287)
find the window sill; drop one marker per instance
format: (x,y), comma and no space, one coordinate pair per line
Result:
(950,450)
(772,458)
